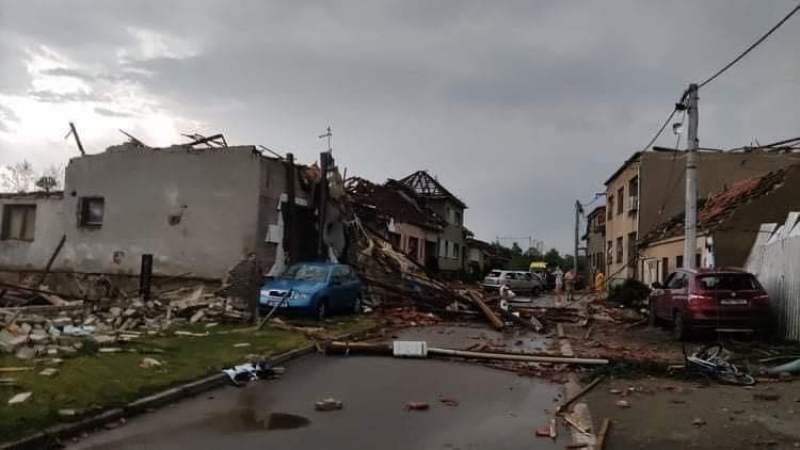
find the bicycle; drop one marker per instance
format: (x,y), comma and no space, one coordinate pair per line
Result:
(710,361)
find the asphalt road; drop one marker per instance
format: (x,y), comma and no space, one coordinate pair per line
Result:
(497,410)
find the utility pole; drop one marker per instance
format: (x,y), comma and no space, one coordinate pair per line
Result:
(690,224)
(578,209)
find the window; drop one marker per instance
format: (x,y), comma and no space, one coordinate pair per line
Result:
(679,261)
(697,260)
(458,219)
(633,187)
(620,200)
(456,251)
(19,222)
(610,207)
(446,248)
(619,250)
(91,211)
(394,239)
(610,252)
(664,268)
(726,282)
(678,281)
(510,276)
(413,247)
(631,249)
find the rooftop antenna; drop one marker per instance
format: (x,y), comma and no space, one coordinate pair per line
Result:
(328,135)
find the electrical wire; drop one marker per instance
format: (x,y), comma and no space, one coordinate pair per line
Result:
(749,49)
(660,130)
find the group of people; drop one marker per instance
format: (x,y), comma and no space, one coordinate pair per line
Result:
(567,281)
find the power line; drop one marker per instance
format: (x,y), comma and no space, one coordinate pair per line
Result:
(660,130)
(749,49)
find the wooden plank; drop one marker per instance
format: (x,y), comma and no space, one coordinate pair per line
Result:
(490,315)
(602,433)
(580,394)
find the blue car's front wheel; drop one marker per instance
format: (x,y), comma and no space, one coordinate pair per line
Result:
(322,310)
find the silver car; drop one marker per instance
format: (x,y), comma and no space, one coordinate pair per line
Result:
(518,281)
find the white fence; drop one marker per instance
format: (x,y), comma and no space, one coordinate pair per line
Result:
(775,259)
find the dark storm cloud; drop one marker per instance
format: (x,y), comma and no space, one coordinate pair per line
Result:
(518,107)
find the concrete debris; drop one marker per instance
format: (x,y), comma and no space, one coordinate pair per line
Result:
(241,345)
(27,323)
(22,397)
(623,404)
(328,404)
(49,372)
(150,363)
(110,350)
(416,406)
(698,422)
(67,412)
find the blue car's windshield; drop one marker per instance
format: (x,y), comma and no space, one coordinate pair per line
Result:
(302,272)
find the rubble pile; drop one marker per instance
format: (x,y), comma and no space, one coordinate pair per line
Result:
(36,330)
(392,279)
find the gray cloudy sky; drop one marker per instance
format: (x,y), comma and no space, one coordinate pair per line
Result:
(517,107)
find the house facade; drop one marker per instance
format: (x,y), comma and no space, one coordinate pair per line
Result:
(196,211)
(728,225)
(397,214)
(595,239)
(649,189)
(452,240)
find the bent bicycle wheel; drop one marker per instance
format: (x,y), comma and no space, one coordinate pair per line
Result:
(737,379)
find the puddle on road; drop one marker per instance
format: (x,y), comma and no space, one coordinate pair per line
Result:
(242,420)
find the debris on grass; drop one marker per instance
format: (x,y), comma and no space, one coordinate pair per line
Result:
(22,397)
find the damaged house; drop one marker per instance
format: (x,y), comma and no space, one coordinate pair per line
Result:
(452,242)
(397,214)
(197,211)
(728,225)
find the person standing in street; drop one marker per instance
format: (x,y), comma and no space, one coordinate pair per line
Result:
(559,285)
(569,282)
(599,282)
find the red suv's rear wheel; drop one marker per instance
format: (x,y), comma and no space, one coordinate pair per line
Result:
(681,329)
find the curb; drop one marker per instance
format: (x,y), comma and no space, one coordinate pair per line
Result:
(50,437)
(580,409)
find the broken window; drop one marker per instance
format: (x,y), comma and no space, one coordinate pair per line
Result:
(91,211)
(19,222)
(610,207)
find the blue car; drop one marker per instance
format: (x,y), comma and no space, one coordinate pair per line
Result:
(313,288)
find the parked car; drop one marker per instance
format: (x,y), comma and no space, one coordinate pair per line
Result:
(313,288)
(518,281)
(730,300)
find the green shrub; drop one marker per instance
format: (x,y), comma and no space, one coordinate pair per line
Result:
(630,292)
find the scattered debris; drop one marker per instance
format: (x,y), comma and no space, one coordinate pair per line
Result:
(22,397)
(543,431)
(68,412)
(623,404)
(110,350)
(49,372)
(150,363)
(602,433)
(449,401)
(328,404)
(241,345)
(766,396)
(563,407)
(698,422)
(416,406)
(244,373)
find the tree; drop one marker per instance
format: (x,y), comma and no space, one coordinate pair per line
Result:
(553,258)
(18,177)
(516,250)
(46,183)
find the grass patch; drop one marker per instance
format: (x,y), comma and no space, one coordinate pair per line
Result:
(93,382)
(101,381)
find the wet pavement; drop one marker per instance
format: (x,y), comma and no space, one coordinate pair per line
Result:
(496,409)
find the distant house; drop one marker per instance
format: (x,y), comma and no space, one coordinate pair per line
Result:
(728,225)
(452,242)
(595,239)
(480,255)
(649,188)
(395,212)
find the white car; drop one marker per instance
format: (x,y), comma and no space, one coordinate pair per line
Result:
(519,281)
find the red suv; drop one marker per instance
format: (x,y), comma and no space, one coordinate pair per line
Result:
(719,299)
